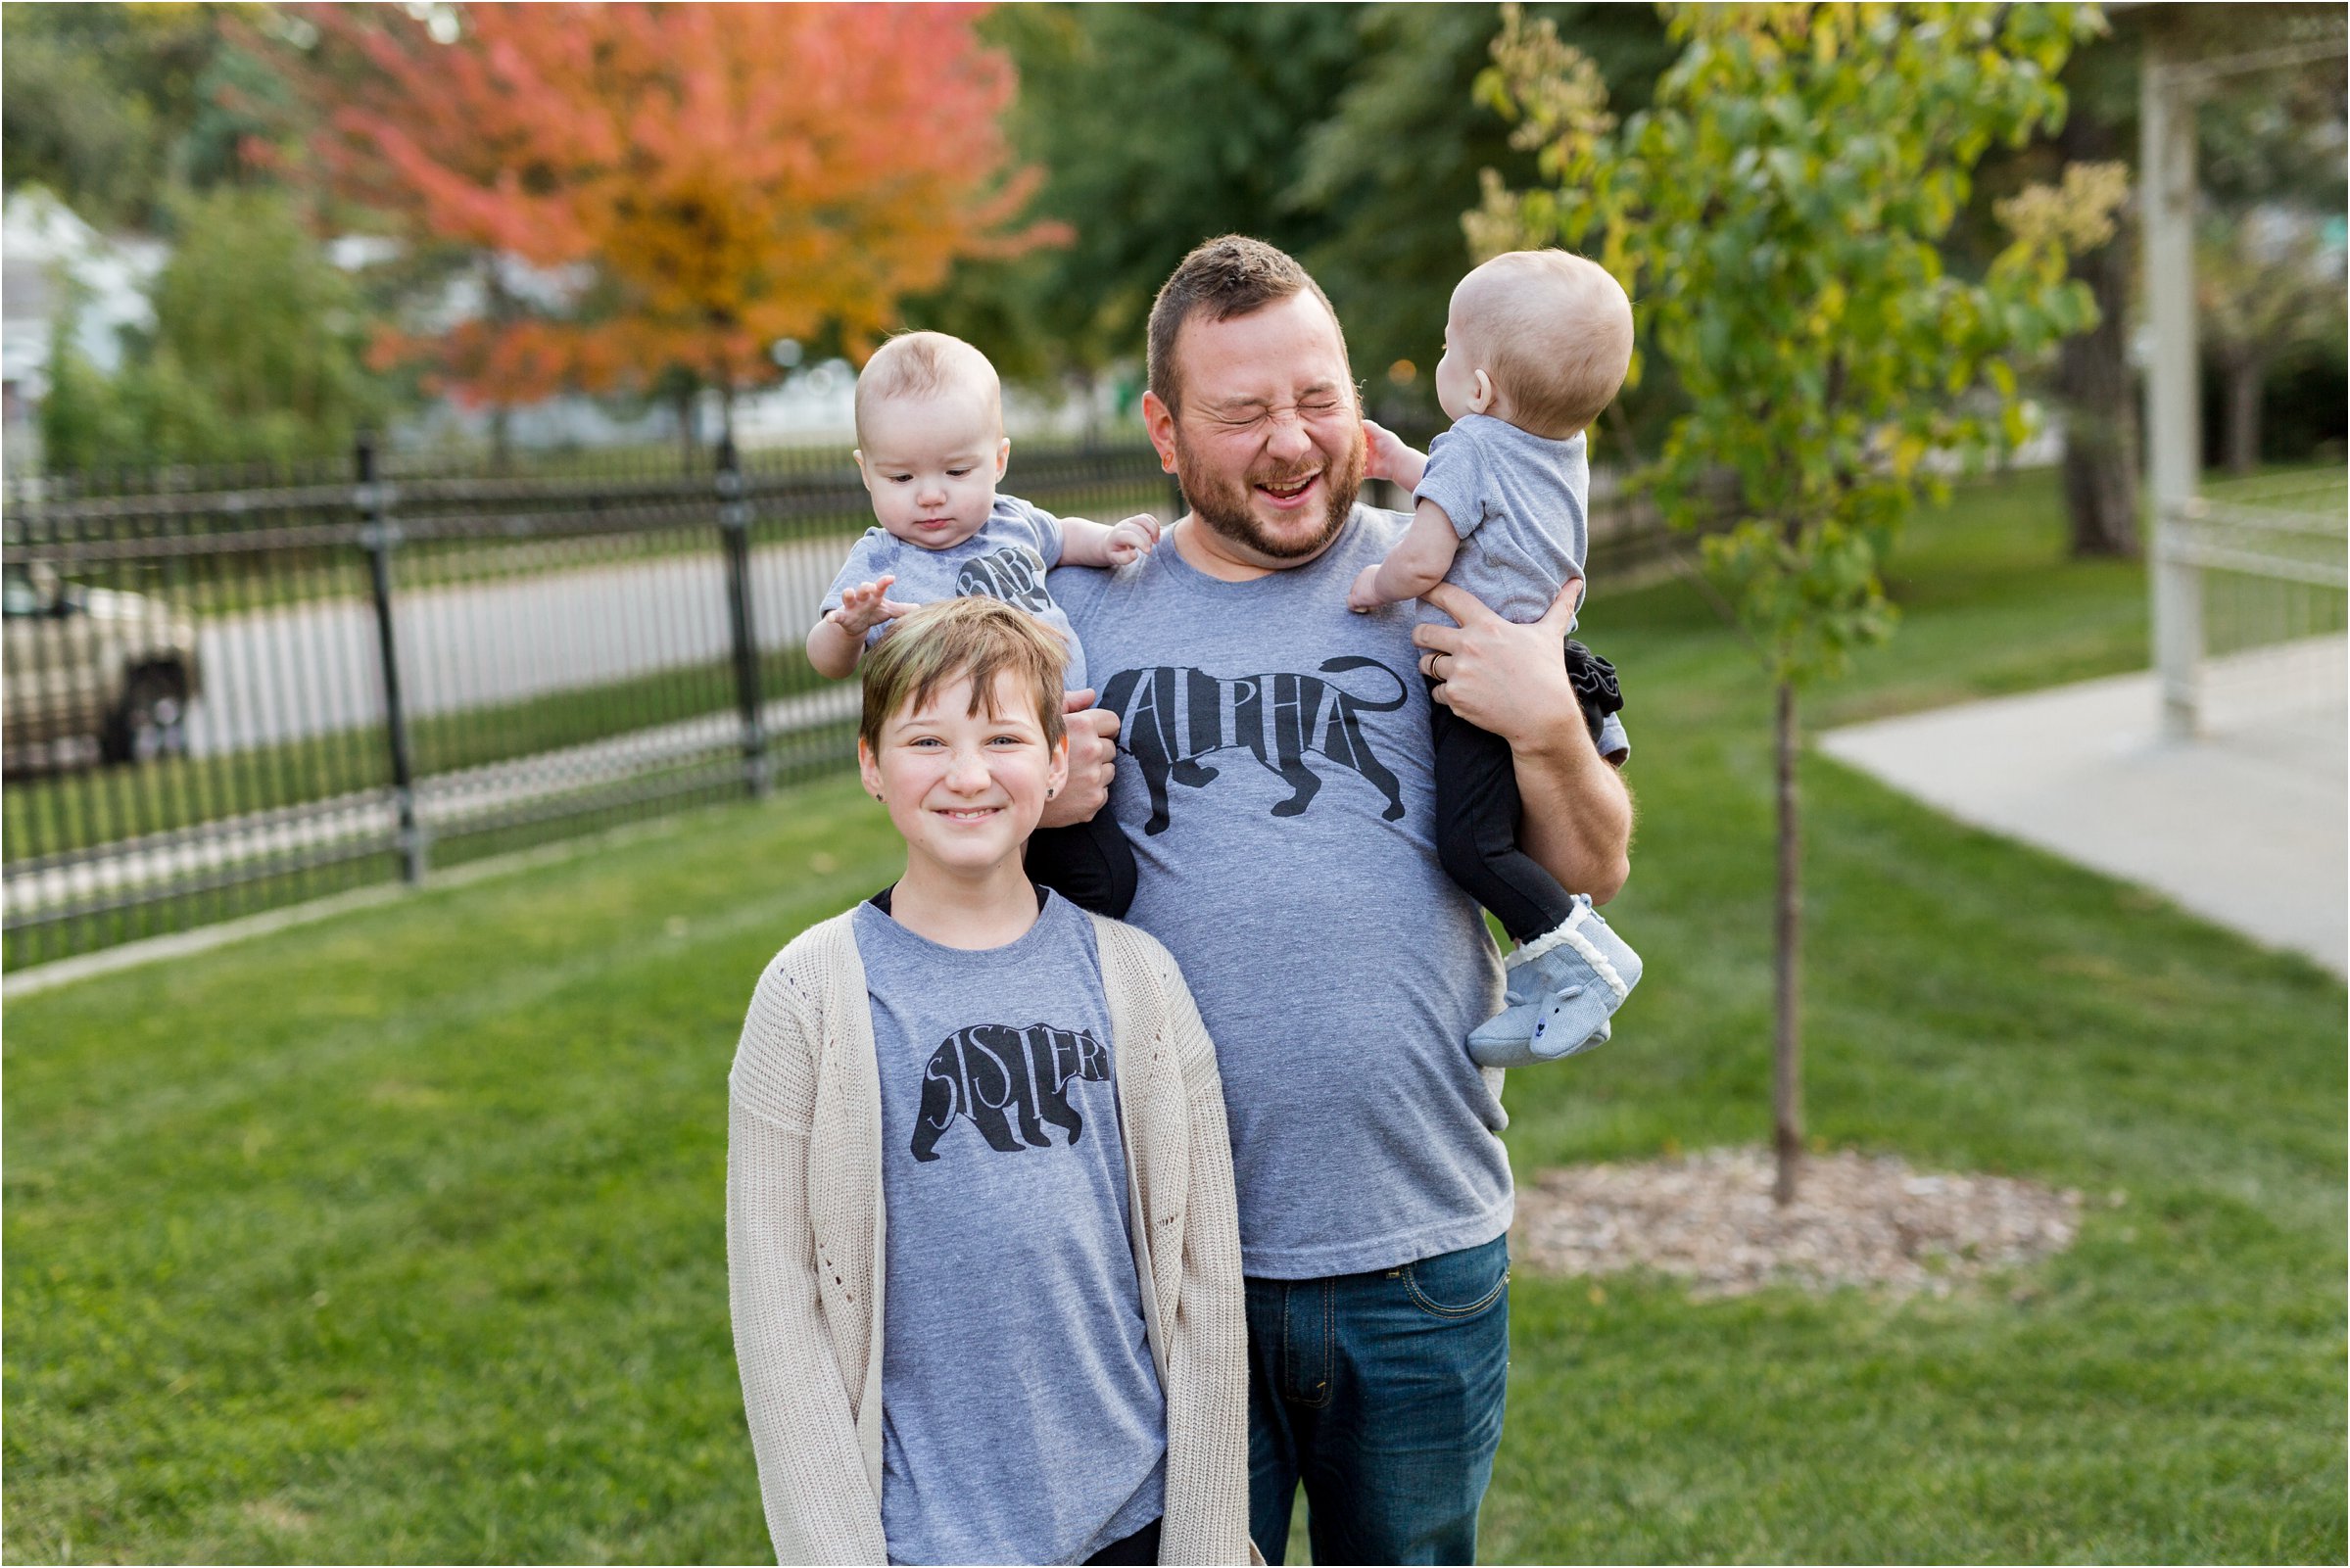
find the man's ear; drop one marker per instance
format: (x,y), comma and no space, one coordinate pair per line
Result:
(1159,421)
(1481,396)
(1003,456)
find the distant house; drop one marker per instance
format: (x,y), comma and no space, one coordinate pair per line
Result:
(54,265)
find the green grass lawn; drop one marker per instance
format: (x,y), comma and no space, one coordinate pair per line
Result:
(400,1236)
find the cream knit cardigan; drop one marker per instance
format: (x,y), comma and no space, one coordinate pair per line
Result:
(805,1227)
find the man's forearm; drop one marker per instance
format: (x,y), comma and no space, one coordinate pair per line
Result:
(1575,813)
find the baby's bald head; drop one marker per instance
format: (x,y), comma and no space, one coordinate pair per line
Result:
(929,364)
(1553,330)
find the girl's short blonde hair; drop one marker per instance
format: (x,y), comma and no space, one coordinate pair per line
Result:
(949,639)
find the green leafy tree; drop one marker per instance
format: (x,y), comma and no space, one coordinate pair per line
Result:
(254,351)
(2262,295)
(1345,133)
(1159,126)
(1397,159)
(2273,136)
(116,107)
(1776,216)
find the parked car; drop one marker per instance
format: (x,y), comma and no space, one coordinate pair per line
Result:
(91,663)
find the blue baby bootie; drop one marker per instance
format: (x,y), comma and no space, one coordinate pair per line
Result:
(1563,987)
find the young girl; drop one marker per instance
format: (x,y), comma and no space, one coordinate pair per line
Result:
(981,1231)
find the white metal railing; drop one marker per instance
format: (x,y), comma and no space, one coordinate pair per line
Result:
(2258,603)
(2253,566)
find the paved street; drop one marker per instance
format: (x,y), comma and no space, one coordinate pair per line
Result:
(282,674)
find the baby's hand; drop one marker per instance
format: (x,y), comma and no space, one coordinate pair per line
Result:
(1132,539)
(1364,594)
(1389,458)
(866,606)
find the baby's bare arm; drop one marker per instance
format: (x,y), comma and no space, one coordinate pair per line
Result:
(1086,542)
(1416,565)
(836,641)
(833,649)
(1389,458)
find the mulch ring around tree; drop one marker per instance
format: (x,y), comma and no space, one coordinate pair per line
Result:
(1857,1219)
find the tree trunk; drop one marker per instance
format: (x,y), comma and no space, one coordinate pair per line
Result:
(2093,384)
(1787,1042)
(687,425)
(2243,414)
(501,314)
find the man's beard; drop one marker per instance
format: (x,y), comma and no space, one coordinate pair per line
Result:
(1224,505)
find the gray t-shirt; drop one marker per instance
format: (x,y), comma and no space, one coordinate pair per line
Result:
(1518,502)
(1021,1417)
(1006,559)
(1276,781)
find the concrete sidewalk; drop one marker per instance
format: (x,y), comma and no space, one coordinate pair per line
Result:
(2245,828)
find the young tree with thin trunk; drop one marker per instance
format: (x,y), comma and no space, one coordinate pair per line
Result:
(1775,215)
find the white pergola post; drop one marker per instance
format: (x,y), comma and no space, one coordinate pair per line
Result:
(2174,421)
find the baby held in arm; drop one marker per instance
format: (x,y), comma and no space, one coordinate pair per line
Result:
(930,451)
(1537,344)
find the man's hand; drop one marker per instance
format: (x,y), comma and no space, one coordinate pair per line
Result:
(1132,539)
(1388,459)
(1093,759)
(1507,679)
(866,606)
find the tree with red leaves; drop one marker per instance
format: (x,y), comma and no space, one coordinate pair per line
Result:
(715,177)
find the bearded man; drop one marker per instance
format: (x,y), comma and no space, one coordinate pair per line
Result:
(1278,791)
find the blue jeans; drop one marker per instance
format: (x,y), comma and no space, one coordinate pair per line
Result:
(1383,1393)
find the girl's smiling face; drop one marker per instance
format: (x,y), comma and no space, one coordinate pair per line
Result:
(930,464)
(966,790)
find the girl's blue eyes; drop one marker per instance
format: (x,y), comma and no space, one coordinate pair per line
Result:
(951,473)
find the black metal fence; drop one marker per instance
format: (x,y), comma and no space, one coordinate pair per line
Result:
(231,689)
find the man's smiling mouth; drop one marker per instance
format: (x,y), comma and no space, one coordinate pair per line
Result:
(1289,489)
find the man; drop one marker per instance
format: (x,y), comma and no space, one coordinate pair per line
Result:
(1279,793)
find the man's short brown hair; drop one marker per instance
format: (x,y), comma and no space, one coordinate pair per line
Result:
(1224,278)
(949,639)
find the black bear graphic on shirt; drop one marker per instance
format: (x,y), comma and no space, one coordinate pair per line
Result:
(1014,574)
(1170,716)
(1009,1081)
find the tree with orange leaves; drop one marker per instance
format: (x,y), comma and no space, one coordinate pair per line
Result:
(714,178)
